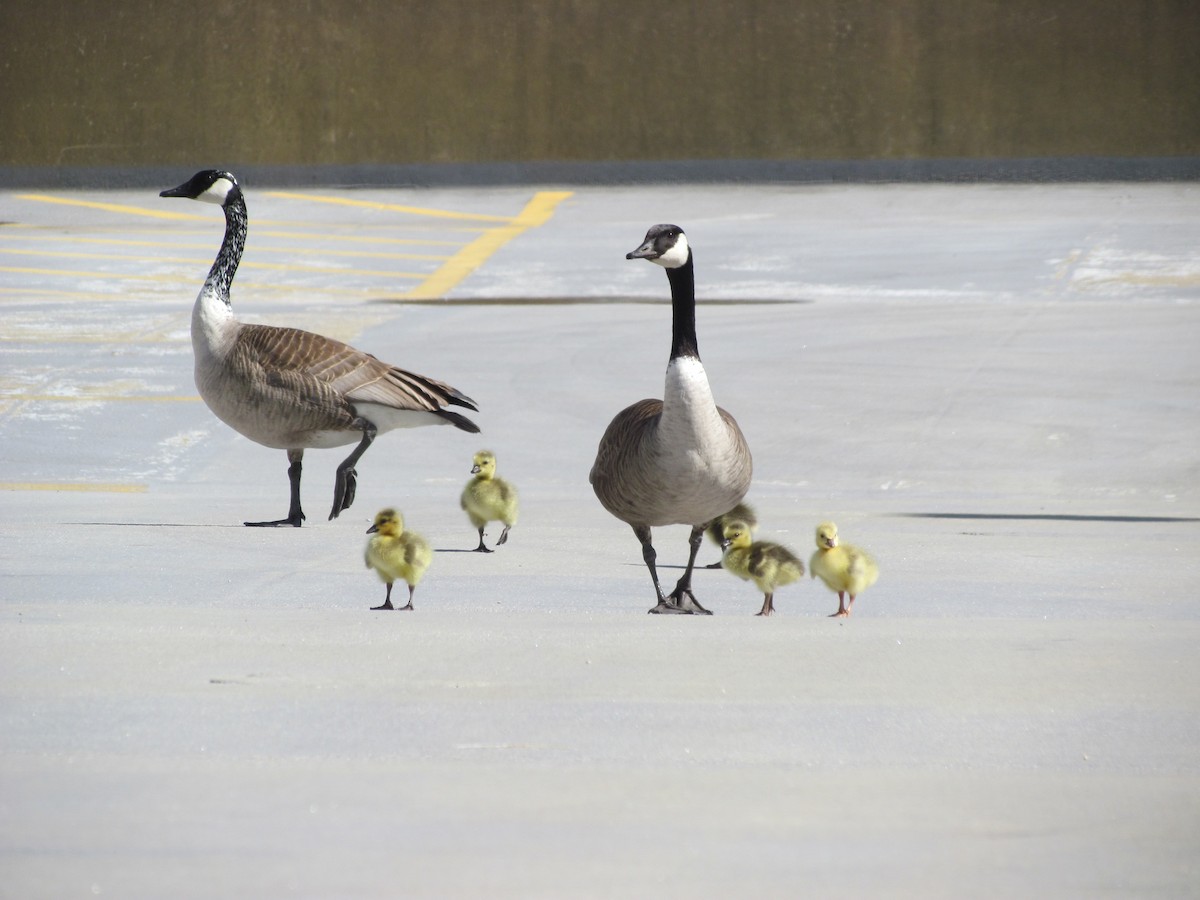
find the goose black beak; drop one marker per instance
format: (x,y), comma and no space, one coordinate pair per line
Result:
(646,251)
(175,192)
(372,529)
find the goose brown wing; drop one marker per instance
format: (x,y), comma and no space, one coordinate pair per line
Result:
(623,438)
(331,365)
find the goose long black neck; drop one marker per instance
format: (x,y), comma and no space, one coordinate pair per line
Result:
(683,310)
(224,267)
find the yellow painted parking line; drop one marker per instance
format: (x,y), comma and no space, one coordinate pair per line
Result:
(186,261)
(328,270)
(99,398)
(111,207)
(206,244)
(72,486)
(536,212)
(391,207)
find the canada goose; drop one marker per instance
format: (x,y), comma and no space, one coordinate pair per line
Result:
(487,498)
(396,554)
(743,513)
(845,569)
(768,565)
(681,460)
(291,389)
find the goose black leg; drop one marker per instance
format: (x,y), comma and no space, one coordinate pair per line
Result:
(682,597)
(346,482)
(295,514)
(768,606)
(678,603)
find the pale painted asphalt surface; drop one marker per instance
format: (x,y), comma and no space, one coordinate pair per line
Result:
(995,389)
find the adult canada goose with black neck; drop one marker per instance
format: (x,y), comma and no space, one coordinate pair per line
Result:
(291,389)
(681,460)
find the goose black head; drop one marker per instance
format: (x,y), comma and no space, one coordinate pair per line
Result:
(209,185)
(665,245)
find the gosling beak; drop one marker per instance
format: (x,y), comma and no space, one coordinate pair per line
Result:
(372,529)
(725,542)
(475,470)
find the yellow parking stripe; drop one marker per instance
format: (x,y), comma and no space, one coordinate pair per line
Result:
(186,261)
(72,486)
(99,398)
(391,207)
(536,212)
(111,207)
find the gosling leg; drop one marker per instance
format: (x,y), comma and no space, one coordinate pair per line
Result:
(843,610)
(411,588)
(481,548)
(387,603)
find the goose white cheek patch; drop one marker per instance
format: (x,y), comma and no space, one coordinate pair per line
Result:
(676,256)
(218,192)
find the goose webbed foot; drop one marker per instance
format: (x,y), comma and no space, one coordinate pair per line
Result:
(295,516)
(295,519)
(387,604)
(716,565)
(680,602)
(344,489)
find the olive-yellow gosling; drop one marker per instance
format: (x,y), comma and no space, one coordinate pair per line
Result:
(487,498)
(743,512)
(768,565)
(845,569)
(396,554)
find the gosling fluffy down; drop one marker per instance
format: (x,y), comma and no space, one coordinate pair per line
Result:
(487,498)
(743,512)
(396,554)
(846,570)
(768,565)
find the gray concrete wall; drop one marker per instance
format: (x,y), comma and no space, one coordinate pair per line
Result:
(308,83)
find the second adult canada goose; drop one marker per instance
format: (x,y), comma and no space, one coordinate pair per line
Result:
(292,389)
(681,460)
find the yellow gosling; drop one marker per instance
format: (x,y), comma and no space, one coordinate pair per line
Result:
(845,569)
(743,512)
(487,498)
(768,565)
(396,554)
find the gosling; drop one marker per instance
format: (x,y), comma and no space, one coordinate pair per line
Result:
(845,569)
(768,565)
(396,554)
(487,498)
(743,512)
